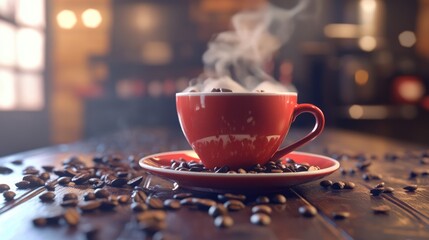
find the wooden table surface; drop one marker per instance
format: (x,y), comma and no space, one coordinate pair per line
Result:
(407,219)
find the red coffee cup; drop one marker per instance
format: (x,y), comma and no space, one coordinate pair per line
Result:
(240,130)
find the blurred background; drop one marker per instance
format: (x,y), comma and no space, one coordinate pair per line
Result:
(75,69)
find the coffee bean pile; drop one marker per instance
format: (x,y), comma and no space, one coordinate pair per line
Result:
(338,185)
(278,166)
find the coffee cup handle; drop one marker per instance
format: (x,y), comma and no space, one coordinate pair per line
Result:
(317,130)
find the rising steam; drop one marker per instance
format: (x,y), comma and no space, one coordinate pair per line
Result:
(241,53)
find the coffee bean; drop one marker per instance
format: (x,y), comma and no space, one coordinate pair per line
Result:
(363,165)
(88,196)
(4,187)
(234,205)
(376,191)
(241,170)
(69,203)
(223,169)
(157,215)
(182,195)
(71,216)
(172,204)
(388,190)
(139,206)
(349,185)
(340,215)
(343,171)
(260,219)
(47,197)
(154,203)
(380,185)
(17,162)
(22,184)
(101,193)
(45,176)
(98,184)
(217,210)
(53,219)
(135,181)
(70,196)
(262,200)
(338,185)
(33,180)
(9,195)
(90,206)
(204,203)
(413,174)
(190,201)
(48,168)
(278,199)
(81,178)
(326,183)
(40,222)
(139,196)
(229,196)
(152,226)
(107,205)
(123,199)
(382,209)
(262,209)
(223,221)
(307,211)
(63,181)
(50,186)
(119,182)
(411,188)
(30,171)
(221,90)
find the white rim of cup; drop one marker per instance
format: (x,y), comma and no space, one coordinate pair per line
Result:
(236,94)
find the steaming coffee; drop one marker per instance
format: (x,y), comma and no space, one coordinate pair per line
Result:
(241,129)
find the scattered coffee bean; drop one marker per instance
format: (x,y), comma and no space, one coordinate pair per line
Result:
(48,168)
(223,169)
(217,210)
(260,219)
(50,186)
(363,165)
(380,185)
(278,199)
(138,196)
(89,206)
(172,204)
(118,182)
(81,178)
(9,195)
(34,181)
(411,188)
(22,184)
(101,193)
(234,205)
(204,203)
(343,171)
(154,203)
(47,197)
(413,174)
(53,219)
(70,196)
(123,199)
(338,185)
(340,215)
(88,196)
(156,215)
(40,222)
(190,201)
(307,211)
(30,171)
(139,206)
(69,203)
(71,216)
(376,191)
(63,181)
(182,195)
(262,200)
(107,205)
(388,190)
(326,183)
(17,162)
(382,209)
(229,196)
(4,187)
(135,181)
(349,185)
(223,221)
(45,176)
(262,209)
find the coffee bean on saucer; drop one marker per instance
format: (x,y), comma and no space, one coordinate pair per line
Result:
(307,211)
(349,185)
(217,210)
(172,204)
(223,169)
(411,188)
(326,183)
(278,199)
(135,181)
(382,209)
(229,196)
(260,219)
(9,195)
(223,221)
(4,187)
(262,209)
(340,215)
(47,197)
(234,205)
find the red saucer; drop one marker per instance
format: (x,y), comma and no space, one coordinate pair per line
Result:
(225,182)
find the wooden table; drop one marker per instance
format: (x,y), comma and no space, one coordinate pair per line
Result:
(408,218)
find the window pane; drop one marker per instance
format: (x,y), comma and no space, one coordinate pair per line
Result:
(31,12)
(30,92)
(6,8)
(7,44)
(7,90)
(30,47)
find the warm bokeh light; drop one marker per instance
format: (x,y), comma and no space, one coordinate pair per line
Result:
(31,12)
(91,18)
(66,19)
(361,77)
(342,30)
(367,43)
(7,90)
(7,44)
(30,49)
(407,39)
(157,52)
(411,91)
(155,88)
(356,112)
(30,90)
(368,5)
